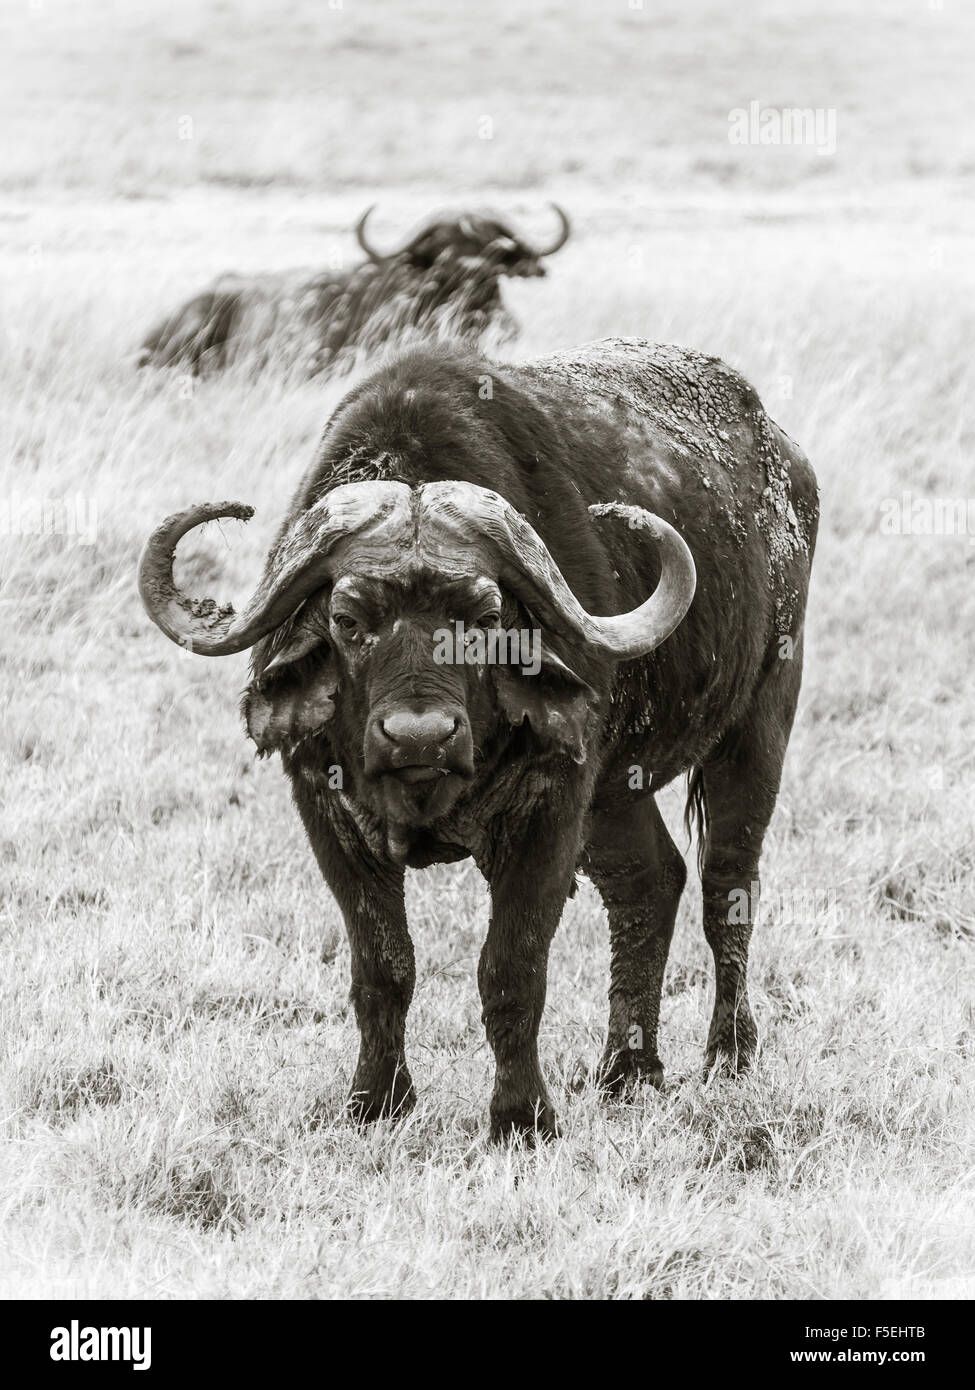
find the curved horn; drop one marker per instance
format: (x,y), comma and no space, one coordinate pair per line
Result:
(299,564)
(562,236)
(360,236)
(527,568)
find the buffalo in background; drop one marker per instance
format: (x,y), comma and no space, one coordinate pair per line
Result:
(445,282)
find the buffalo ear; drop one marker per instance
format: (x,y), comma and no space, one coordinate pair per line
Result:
(293,695)
(303,638)
(281,715)
(424,251)
(556,702)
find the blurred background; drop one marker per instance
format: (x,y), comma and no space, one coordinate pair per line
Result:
(199,135)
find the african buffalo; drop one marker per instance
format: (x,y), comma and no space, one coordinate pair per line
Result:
(452,498)
(446,281)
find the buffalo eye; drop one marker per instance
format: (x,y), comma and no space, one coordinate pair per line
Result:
(346,623)
(491,617)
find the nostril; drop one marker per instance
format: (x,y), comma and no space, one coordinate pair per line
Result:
(439,728)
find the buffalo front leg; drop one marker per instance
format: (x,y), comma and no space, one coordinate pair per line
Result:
(527,900)
(383,977)
(640,874)
(370,895)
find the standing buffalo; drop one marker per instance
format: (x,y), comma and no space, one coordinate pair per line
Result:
(446,281)
(455,509)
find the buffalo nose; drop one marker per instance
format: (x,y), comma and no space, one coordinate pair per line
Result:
(419,731)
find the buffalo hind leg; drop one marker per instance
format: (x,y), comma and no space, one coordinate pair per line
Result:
(740,786)
(640,875)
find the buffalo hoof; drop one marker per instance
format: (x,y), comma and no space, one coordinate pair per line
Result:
(732,1041)
(368,1103)
(621,1070)
(530,1124)
(730,1065)
(731,1050)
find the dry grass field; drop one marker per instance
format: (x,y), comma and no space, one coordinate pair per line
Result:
(176,1034)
